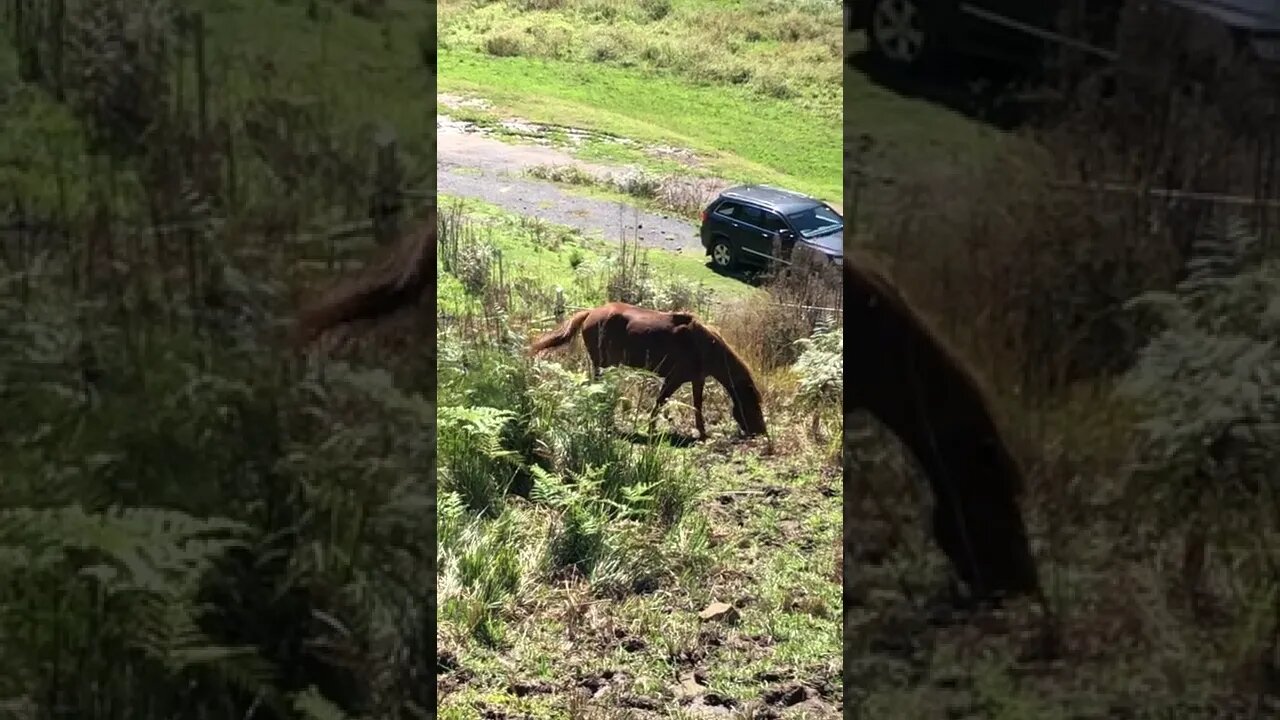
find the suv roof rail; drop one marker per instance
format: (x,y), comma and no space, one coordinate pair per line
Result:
(782,190)
(744,192)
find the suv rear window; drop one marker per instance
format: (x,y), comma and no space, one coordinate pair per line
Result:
(729,208)
(740,211)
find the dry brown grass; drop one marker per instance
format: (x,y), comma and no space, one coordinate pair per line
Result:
(768,325)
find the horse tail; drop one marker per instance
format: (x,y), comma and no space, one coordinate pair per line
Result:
(401,278)
(562,334)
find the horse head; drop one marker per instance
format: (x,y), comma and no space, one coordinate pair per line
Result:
(748,411)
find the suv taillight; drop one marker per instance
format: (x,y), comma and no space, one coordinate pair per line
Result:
(704,215)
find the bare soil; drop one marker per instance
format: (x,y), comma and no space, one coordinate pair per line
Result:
(472,164)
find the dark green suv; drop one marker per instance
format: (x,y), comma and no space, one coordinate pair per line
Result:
(758,225)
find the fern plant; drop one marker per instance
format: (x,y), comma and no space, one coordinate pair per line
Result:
(121,581)
(598,507)
(1207,386)
(820,369)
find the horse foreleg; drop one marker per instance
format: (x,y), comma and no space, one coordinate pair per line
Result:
(697,407)
(669,386)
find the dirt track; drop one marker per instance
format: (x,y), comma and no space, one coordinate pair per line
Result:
(472,165)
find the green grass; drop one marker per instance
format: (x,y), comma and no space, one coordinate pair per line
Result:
(210,396)
(365,73)
(753,525)
(743,136)
(362,73)
(754,86)
(545,255)
(783,49)
(911,133)
(606,151)
(739,545)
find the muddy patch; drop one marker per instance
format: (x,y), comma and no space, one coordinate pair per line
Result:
(550,134)
(462,102)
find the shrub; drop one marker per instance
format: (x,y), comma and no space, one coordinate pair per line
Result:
(539,430)
(568,174)
(638,182)
(656,9)
(820,368)
(507,43)
(631,279)
(1208,388)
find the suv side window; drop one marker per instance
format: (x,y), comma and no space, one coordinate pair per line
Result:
(772,221)
(752,214)
(730,209)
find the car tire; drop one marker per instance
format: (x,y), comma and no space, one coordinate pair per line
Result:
(900,33)
(723,255)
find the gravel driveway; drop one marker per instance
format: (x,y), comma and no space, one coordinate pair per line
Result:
(470,165)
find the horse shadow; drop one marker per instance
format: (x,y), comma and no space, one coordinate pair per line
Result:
(755,277)
(670,438)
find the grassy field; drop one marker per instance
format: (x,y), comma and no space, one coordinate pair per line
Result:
(542,257)
(608,561)
(758,117)
(606,544)
(910,132)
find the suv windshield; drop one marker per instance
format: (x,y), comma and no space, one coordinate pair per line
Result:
(815,221)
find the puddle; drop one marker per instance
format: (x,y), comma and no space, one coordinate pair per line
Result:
(446,124)
(684,156)
(550,135)
(461,102)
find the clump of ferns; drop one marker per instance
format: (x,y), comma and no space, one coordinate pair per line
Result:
(1207,387)
(820,369)
(113,594)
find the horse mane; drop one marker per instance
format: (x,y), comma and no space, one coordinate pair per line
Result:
(917,386)
(738,368)
(871,284)
(401,278)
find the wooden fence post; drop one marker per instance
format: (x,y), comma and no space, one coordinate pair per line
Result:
(387,203)
(858,178)
(57,41)
(559,304)
(202,78)
(26,33)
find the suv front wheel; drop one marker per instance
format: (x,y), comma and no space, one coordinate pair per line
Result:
(899,32)
(723,254)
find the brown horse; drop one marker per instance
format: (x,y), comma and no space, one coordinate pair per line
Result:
(906,378)
(674,345)
(404,277)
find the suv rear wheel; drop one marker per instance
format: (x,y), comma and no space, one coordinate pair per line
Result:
(899,33)
(722,253)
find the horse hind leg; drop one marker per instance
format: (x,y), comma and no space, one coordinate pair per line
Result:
(593,340)
(669,386)
(698,386)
